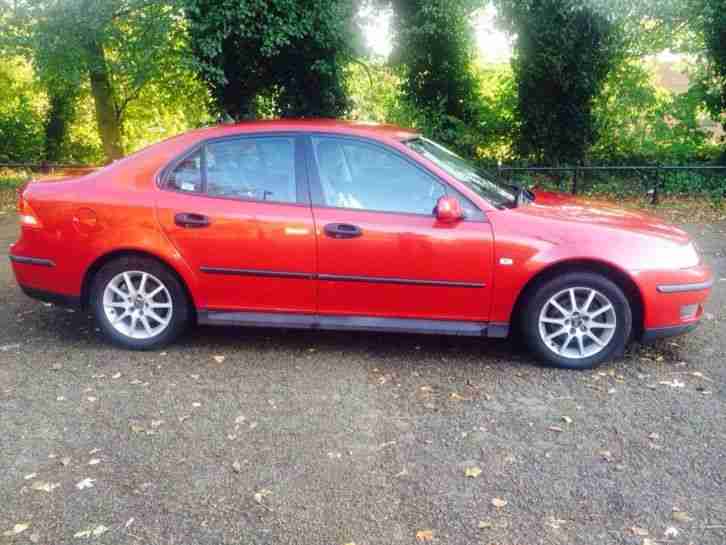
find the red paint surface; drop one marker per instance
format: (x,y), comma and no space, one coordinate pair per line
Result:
(121,207)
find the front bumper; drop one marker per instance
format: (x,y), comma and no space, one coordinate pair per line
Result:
(652,335)
(674,300)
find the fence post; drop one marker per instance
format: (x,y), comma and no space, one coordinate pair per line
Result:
(574,181)
(656,197)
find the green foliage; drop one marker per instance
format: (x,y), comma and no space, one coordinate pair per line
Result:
(21,113)
(433,50)
(118,46)
(564,52)
(640,123)
(272,57)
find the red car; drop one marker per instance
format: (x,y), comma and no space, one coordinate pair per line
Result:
(352,226)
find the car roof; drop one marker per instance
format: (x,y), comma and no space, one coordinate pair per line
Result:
(352,128)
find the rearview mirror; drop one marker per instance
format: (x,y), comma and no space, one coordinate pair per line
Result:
(448,209)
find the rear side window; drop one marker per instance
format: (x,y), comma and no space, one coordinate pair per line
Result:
(261,169)
(187,175)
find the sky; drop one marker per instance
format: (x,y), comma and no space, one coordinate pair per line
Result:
(492,44)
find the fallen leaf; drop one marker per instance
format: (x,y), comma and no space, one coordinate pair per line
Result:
(219,359)
(567,420)
(671,532)
(137,428)
(17,529)
(424,535)
(472,472)
(236,466)
(99,530)
(681,516)
(239,419)
(94,461)
(485,524)
(117,375)
(85,483)
(43,486)
(639,531)
(499,503)
(94,451)
(30,476)
(92,399)
(456,397)
(196,404)
(129,522)
(262,494)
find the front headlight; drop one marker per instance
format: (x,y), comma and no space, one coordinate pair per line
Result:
(688,256)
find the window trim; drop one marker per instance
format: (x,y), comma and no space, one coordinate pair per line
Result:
(302,193)
(316,189)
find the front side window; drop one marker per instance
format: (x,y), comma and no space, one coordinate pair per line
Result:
(464,171)
(362,176)
(261,169)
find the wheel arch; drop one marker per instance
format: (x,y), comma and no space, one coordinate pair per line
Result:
(115,254)
(622,279)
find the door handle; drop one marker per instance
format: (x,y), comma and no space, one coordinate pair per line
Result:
(191,220)
(343,230)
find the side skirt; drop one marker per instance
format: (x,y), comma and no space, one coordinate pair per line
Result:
(353,323)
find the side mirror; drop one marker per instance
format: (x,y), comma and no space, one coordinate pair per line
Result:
(448,209)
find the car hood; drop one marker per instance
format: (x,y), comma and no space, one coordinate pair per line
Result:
(563,207)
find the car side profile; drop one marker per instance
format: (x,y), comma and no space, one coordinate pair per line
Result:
(335,225)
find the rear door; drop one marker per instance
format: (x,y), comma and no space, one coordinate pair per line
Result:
(381,250)
(238,212)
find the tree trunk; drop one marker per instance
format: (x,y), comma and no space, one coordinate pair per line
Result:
(109,126)
(59,117)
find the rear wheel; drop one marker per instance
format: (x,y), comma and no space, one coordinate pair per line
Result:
(577,321)
(139,303)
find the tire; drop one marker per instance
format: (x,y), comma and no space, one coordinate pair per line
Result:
(159,317)
(541,321)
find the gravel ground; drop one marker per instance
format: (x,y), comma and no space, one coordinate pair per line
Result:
(272,437)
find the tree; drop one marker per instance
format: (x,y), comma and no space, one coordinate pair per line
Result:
(272,57)
(564,52)
(116,47)
(711,84)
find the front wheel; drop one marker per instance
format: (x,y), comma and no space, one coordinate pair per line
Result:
(139,303)
(577,321)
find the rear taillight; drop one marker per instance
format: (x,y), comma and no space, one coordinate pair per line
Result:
(26,214)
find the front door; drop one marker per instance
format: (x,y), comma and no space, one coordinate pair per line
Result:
(381,250)
(237,213)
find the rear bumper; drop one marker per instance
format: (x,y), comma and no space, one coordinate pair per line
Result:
(59,299)
(652,335)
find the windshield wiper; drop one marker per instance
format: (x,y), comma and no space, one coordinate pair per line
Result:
(522,195)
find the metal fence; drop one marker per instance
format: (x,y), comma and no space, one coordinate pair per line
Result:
(621,180)
(651,180)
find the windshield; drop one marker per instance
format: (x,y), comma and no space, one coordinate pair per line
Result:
(464,171)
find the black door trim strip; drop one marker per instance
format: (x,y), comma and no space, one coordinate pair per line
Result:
(341,277)
(32,261)
(257,272)
(404,281)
